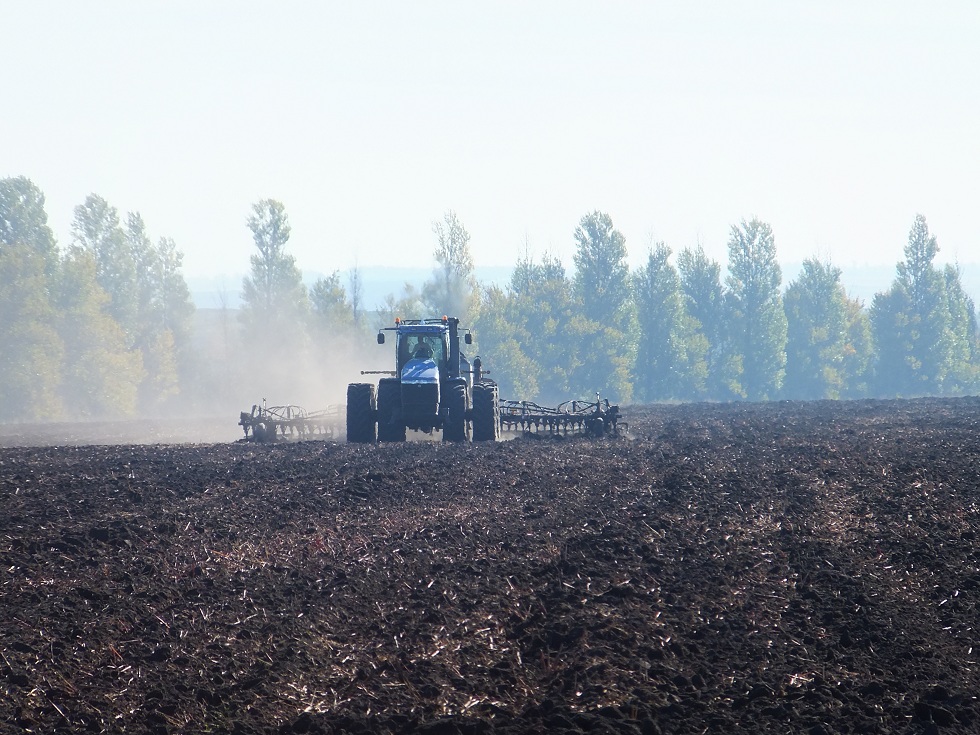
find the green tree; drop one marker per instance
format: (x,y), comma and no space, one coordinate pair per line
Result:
(24,220)
(672,352)
(175,308)
(31,350)
(602,287)
(705,303)
(515,373)
(891,330)
(816,314)
(102,373)
(151,333)
(542,309)
(144,259)
(858,350)
(929,316)
(963,371)
(527,332)
(453,288)
(913,329)
(96,228)
(332,308)
(757,318)
(166,315)
(605,364)
(601,273)
(274,300)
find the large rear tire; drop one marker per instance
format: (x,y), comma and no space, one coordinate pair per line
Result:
(486,412)
(361,414)
(454,427)
(391,427)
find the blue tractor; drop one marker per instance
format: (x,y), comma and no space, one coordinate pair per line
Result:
(433,388)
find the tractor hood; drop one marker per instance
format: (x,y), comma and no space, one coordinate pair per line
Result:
(418,371)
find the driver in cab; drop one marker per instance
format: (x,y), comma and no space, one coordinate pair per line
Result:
(423,350)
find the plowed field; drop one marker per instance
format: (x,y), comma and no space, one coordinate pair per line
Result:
(777,568)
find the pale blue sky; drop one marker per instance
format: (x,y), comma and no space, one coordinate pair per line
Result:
(836,122)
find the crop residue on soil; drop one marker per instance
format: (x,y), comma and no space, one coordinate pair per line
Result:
(790,567)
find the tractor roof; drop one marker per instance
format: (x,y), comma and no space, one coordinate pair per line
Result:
(422,328)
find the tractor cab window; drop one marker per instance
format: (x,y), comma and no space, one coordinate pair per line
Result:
(421,347)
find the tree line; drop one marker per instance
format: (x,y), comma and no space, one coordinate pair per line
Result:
(105,326)
(675,330)
(98,329)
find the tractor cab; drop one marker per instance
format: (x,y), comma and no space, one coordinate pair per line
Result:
(422,343)
(431,381)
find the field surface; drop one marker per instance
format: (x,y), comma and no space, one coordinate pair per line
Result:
(757,568)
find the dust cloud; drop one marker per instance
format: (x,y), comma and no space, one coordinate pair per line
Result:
(221,375)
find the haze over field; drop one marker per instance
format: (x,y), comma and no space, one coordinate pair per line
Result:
(753,201)
(835,122)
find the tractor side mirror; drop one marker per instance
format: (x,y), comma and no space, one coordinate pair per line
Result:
(468,338)
(381,338)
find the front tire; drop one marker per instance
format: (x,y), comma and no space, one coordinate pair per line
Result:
(361,413)
(454,428)
(391,427)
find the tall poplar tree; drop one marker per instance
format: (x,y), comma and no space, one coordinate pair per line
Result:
(757,319)
(274,300)
(602,287)
(30,347)
(501,335)
(858,351)
(705,303)
(601,273)
(963,372)
(331,306)
(816,314)
(151,335)
(543,308)
(452,289)
(96,227)
(102,372)
(914,331)
(671,351)
(174,306)
(24,220)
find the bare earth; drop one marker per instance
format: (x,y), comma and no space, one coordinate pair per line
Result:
(777,568)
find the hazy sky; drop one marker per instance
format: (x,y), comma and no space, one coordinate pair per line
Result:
(836,122)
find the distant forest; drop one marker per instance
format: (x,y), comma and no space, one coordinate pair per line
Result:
(105,327)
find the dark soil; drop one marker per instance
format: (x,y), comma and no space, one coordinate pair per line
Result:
(790,567)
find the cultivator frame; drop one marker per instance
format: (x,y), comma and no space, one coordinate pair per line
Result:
(268,423)
(596,418)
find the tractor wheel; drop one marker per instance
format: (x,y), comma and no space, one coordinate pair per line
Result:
(486,412)
(391,428)
(454,428)
(361,411)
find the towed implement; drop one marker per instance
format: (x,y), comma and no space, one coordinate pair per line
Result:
(596,418)
(268,423)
